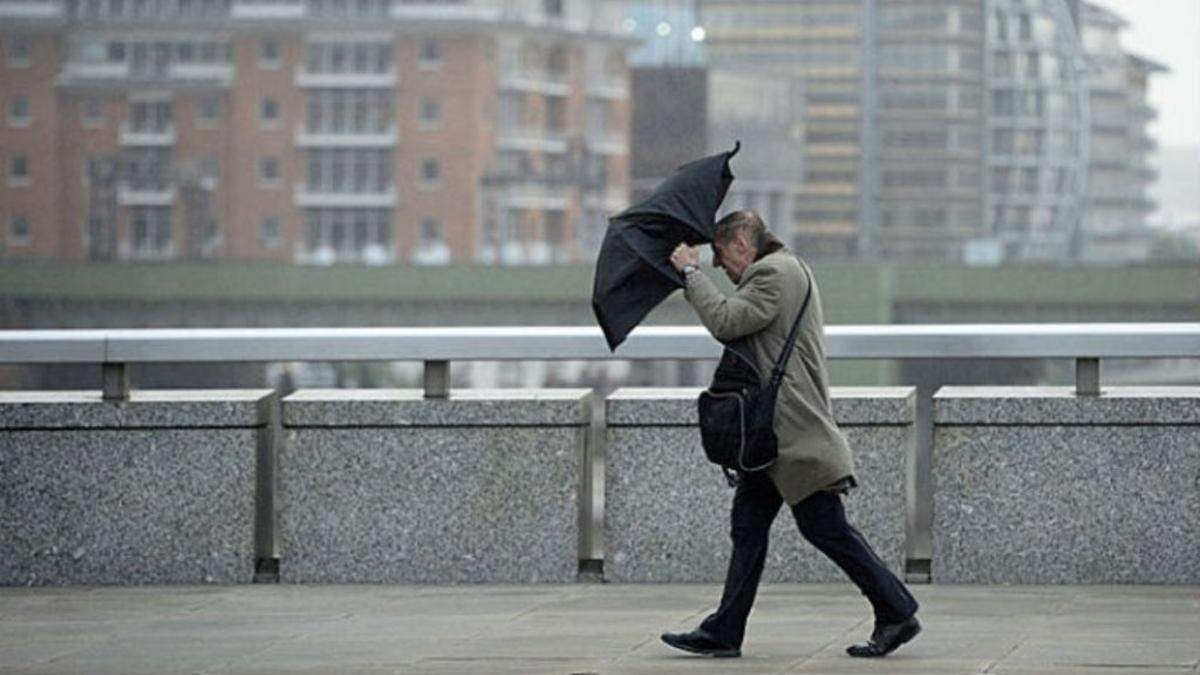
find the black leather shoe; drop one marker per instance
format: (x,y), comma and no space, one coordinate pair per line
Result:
(886,638)
(700,642)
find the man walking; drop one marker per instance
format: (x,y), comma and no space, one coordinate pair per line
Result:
(814,469)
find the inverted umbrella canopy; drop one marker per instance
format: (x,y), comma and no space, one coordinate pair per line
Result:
(634,271)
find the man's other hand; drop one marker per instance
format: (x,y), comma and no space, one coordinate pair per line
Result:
(684,255)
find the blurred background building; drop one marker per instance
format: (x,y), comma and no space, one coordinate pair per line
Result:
(312,131)
(506,131)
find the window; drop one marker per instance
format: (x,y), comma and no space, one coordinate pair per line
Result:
(151,230)
(268,232)
(349,170)
(348,233)
(150,116)
(19,233)
(18,170)
(268,170)
(268,53)
(348,57)
(18,51)
(431,171)
(19,114)
(210,168)
(116,52)
(553,8)
(431,53)
(431,113)
(208,110)
(268,114)
(92,112)
(431,232)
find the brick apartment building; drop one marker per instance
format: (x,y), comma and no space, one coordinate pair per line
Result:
(311,131)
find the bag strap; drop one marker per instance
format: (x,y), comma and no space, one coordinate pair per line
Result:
(781,363)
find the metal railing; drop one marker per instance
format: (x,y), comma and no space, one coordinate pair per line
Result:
(117,350)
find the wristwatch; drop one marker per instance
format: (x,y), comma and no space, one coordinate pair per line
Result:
(689,268)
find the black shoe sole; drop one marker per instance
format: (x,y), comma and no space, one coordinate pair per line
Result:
(715,653)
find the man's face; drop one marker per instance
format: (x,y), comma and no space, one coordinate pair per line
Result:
(734,255)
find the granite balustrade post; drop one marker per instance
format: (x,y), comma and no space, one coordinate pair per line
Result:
(666,511)
(162,488)
(1040,485)
(387,486)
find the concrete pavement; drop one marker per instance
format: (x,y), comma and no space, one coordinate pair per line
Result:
(583,628)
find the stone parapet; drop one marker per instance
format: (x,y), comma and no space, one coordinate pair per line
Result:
(1038,485)
(666,514)
(160,489)
(386,486)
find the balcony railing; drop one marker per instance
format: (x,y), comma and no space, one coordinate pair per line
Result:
(147,137)
(385,80)
(305,197)
(345,139)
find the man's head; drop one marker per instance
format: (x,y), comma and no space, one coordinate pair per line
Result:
(738,239)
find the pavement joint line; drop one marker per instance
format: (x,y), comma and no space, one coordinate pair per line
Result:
(1057,609)
(841,636)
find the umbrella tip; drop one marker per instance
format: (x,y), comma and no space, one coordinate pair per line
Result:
(737,145)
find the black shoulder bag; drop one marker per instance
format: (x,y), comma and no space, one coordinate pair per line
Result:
(737,411)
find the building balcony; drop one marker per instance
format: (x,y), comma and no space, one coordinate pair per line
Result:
(304,197)
(604,142)
(131,252)
(216,73)
(535,82)
(271,11)
(32,9)
(343,139)
(607,87)
(488,11)
(345,80)
(145,196)
(612,199)
(148,137)
(528,138)
(534,197)
(73,72)
(432,254)
(373,255)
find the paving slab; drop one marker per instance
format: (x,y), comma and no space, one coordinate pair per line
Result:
(573,629)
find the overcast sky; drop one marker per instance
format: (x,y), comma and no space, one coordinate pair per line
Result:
(1167,31)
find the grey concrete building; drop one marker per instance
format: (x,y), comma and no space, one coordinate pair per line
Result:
(1119,173)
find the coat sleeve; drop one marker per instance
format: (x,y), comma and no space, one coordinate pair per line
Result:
(750,309)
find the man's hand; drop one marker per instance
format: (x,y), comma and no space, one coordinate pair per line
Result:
(684,255)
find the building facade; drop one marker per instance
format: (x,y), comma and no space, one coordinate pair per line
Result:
(950,129)
(1119,171)
(312,131)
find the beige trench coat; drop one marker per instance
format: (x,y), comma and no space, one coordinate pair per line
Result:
(813,453)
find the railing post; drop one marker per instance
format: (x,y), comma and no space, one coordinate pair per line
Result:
(437,379)
(115,381)
(1087,377)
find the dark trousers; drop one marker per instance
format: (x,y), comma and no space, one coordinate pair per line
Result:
(822,521)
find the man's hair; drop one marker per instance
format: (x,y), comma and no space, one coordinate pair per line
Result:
(746,221)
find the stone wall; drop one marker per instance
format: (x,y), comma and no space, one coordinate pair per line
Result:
(1039,485)
(387,486)
(666,514)
(160,489)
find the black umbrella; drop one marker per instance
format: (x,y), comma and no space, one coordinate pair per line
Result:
(633,270)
